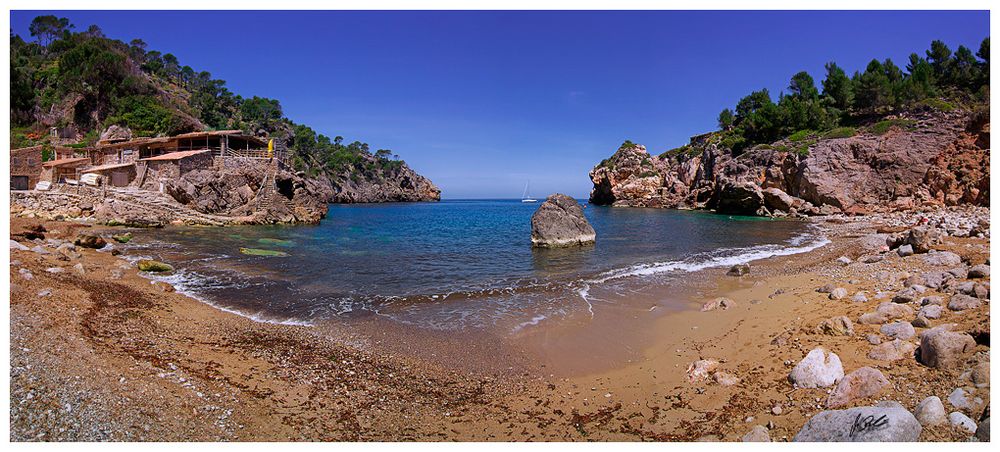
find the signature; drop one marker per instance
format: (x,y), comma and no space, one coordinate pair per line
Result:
(868,424)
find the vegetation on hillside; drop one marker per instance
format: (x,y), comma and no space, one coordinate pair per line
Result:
(86,81)
(940,80)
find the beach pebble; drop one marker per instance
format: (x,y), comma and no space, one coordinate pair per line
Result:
(25,274)
(836,326)
(904,296)
(873,339)
(980,375)
(54,270)
(935,279)
(979,271)
(39,249)
(758,434)
(893,424)
(838,293)
(861,383)
(844,260)
(983,429)
(701,369)
(722,303)
(893,311)
(959,398)
(930,411)
(959,272)
(819,369)
(777,410)
(859,297)
(961,302)
(932,300)
(44,293)
(942,348)
(962,421)
(898,330)
(905,250)
(826,288)
(15,245)
(921,322)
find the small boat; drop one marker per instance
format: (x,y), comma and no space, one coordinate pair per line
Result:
(526,197)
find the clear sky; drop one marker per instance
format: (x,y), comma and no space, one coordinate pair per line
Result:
(482,102)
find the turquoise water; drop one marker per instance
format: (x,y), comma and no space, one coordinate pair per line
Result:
(455,264)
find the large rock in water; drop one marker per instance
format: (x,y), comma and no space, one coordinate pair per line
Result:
(559,222)
(862,424)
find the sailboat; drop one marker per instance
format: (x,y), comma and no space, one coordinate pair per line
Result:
(526,197)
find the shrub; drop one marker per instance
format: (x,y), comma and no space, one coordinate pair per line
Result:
(937,104)
(881,127)
(800,135)
(840,132)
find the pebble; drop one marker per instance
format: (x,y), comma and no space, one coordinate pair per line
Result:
(962,421)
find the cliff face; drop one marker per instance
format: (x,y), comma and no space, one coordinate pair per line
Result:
(396,183)
(927,158)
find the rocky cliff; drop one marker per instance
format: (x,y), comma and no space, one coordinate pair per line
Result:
(912,160)
(395,182)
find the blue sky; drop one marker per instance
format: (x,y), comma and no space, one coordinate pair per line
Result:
(482,102)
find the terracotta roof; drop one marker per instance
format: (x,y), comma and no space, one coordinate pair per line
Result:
(174,155)
(107,167)
(64,162)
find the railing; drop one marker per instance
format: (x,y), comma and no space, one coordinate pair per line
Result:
(257,154)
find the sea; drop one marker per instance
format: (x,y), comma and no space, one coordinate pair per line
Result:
(457,264)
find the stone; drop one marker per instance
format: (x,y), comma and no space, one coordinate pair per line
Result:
(25,274)
(700,370)
(893,311)
(962,302)
(959,272)
(931,311)
(980,374)
(15,245)
(39,249)
(844,260)
(922,238)
(826,288)
(907,295)
(777,410)
(859,297)
(722,303)
(819,369)
(930,411)
(905,250)
(149,265)
(90,241)
(68,250)
(739,270)
(872,318)
(892,351)
(725,379)
(932,300)
(959,398)
(979,271)
(559,222)
(898,330)
(921,322)
(983,430)
(836,326)
(936,279)
(861,424)
(54,270)
(942,259)
(861,383)
(78,268)
(838,293)
(758,434)
(873,339)
(941,348)
(962,421)
(871,258)
(44,293)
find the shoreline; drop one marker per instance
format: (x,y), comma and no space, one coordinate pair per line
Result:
(272,389)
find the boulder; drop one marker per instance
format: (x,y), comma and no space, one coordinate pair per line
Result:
(922,238)
(14,245)
(836,326)
(861,383)
(898,330)
(560,222)
(818,369)
(149,265)
(740,198)
(862,424)
(931,311)
(859,297)
(892,351)
(907,295)
(961,399)
(777,199)
(739,270)
(838,293)
(90,241)
(983,430)
(825,288)
(942,348)
(893,311)
(979,271)
(932,300)
(943,259)
(930,411)
(116,132)
(905,250)
(962,302)
(872,318)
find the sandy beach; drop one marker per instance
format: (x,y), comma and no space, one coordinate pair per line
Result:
(99,352)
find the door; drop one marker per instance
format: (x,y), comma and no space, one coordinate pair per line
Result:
(18,182)
(119,178)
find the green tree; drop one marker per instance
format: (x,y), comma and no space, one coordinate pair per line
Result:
(837,86)
(48,28)
(803,86)
(872,88)
(939,56)
(726,119)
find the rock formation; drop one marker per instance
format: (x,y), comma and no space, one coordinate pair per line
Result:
(942,158)
(559,222)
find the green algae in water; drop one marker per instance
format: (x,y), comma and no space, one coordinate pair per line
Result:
(260,252)
(278,242)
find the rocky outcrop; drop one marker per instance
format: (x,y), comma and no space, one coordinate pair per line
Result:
(940,158)
(392,182)
(560,222)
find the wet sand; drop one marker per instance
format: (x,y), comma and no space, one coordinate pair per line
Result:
(108,357)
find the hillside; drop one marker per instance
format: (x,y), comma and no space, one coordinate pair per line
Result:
(82,83)
(880,140)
